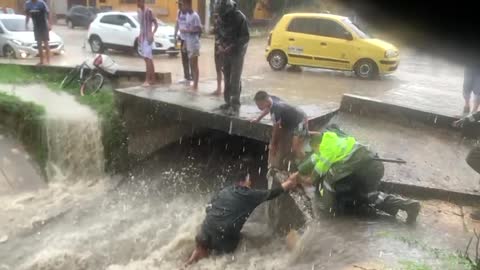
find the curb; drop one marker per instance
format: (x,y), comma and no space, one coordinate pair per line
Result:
(364,106)
(162,77)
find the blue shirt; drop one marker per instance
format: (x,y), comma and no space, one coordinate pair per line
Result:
(38,11)
(287,115)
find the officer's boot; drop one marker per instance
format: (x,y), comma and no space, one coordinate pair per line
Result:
(390,204)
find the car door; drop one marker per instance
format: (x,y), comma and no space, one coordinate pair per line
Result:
(83,16)
(300,37)
(107,28)
(334,45)
(126,31)
(75,16)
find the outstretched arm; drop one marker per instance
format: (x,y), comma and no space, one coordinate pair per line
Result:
(261,116)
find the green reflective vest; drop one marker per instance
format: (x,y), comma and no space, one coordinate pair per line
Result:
(332,149)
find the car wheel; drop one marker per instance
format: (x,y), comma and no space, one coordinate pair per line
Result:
(366,69)
(9,52)
(70,24)
(277,60)
(96,44)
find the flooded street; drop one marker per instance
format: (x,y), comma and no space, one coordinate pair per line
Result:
(421,79)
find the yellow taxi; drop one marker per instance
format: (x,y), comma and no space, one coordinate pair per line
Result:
(329,41)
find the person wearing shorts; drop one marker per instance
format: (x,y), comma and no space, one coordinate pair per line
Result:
(38,11)
(191,32)
(290,127)
(471,87)
(181,23)
(146,39)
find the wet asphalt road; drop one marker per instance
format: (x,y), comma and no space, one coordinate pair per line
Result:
(422,80)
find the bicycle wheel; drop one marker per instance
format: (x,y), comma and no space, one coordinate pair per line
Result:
(70,77)
(92,84)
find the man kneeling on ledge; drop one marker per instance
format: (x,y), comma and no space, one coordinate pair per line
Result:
(347,175)
(228,211)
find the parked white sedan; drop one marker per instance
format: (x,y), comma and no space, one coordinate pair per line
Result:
(18,41)
(120,30)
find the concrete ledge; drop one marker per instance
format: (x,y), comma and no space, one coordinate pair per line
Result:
(371,107)
(434,150)
(124,74)
(201,111)
(427,193)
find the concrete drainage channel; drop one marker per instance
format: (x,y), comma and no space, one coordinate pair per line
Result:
(147,222)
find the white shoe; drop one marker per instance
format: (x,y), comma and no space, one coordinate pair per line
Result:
(183,81)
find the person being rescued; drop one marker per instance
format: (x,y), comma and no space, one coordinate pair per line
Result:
(346,175)
(228,211)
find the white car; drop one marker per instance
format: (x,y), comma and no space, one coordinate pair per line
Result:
(120,31)
(18,41)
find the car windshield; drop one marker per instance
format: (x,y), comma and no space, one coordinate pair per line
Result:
(160,23)
(356,29)
(16,25)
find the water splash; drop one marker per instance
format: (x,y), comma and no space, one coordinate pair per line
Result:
(74,137)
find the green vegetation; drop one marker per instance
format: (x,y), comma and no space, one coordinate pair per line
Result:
(114,136)
(411,265)
(445,259)
(25,121)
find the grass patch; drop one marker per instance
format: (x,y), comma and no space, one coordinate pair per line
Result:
(411,265)
(446,259)
(25,120)
(114,136)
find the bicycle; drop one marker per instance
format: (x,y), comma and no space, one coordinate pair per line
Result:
(90,78)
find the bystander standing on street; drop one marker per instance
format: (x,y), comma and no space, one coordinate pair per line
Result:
(233,38)
(217,55)
(145,40)
(38,11)
(180,37)
(192,31)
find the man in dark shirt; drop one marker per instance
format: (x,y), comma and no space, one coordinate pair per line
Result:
(227,213)
(287,119)
(38,11)
(233,38)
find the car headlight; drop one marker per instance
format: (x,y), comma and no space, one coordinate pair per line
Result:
(391,53)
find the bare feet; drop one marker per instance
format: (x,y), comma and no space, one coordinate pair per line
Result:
(146,84)
(217,92)
(195,88)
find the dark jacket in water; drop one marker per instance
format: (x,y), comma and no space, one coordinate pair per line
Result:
(227,213)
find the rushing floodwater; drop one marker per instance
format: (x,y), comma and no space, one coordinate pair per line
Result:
(148,218)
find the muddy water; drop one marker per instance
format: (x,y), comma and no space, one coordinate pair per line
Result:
(75,148)
(148,218)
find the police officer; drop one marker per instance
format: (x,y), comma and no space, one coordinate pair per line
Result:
(346,174)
